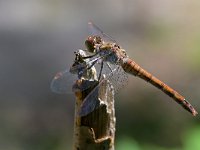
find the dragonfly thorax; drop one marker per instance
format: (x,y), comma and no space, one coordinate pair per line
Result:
(112,52)
(91,43)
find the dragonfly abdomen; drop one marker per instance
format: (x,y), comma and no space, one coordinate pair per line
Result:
(133,68)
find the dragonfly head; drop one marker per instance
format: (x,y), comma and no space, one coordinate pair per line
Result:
(91,43)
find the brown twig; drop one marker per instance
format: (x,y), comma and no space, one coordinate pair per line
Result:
(95,131)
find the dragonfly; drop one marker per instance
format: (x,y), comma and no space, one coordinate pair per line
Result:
(115,64)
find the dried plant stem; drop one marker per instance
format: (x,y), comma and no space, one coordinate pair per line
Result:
(95,131)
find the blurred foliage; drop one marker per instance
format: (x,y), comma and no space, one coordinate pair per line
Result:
(127,143)
(190,140)
(158,33)
(194,52)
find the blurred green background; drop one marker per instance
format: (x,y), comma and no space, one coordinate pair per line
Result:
(37,39)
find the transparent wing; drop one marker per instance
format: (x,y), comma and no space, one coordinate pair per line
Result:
(118,79)
(90,102)
(114,73)
(95,30)
(63,81)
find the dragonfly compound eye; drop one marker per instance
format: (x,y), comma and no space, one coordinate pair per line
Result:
(90,44)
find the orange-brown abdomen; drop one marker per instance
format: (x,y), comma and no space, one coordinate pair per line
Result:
(133,68)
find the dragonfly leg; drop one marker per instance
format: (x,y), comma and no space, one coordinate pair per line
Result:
(100,71)
(93,63)
(90,56)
